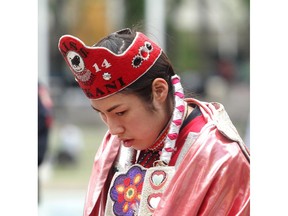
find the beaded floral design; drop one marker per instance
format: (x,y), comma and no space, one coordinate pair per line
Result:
(126,191)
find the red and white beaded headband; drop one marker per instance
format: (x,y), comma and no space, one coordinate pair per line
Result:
(100,72)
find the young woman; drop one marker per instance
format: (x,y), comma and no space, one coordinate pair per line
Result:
(163,154)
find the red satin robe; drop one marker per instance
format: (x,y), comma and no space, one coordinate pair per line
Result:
(212,174)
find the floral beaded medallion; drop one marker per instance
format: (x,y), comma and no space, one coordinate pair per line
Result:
(138,191)
(126,191)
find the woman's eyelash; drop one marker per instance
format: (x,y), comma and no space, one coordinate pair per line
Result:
(120,113)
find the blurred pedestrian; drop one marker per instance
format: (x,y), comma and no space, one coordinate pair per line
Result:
(45,119)
(71,145)
(163,154)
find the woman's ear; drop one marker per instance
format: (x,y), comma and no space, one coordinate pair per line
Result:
(160,90)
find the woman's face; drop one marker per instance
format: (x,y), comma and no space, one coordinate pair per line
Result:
(130,119)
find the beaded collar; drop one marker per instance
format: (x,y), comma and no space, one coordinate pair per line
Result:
(159,143)
(149,156)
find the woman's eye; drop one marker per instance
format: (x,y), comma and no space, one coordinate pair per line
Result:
(120,113)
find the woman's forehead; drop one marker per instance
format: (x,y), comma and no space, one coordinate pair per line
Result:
(114,101)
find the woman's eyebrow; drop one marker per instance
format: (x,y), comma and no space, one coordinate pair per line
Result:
(108,110)
(113,107)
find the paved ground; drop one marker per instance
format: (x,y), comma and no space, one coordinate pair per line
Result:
(62,203)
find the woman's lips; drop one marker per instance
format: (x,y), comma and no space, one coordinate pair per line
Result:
(127,142)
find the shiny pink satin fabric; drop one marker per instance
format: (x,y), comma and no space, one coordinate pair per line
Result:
(213,178)
(105,156)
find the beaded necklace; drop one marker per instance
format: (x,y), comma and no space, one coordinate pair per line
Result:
(147,157)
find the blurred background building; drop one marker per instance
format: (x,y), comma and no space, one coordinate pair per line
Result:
(206,40)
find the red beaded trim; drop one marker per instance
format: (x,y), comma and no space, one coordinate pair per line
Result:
(158,145)
(147,158)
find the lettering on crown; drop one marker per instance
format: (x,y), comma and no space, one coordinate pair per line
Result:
(111,87)
(72,46)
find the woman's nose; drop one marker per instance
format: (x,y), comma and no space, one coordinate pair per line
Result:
(115,127)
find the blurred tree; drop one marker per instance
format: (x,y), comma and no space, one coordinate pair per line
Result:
(134,14)
(58,26)
(91,24)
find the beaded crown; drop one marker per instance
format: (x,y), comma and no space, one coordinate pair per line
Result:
(100,72)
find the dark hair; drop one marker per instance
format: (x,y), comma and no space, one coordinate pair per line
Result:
(118,42)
